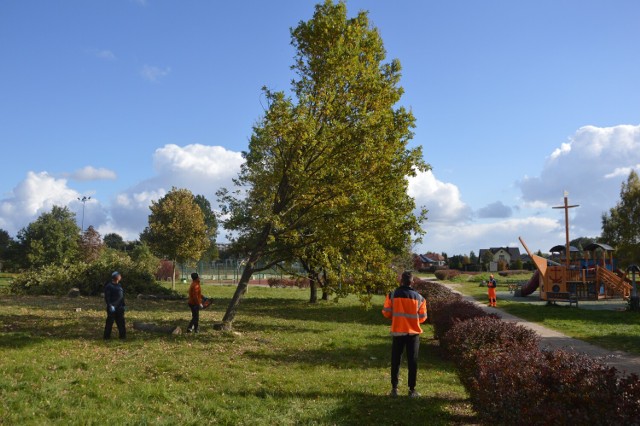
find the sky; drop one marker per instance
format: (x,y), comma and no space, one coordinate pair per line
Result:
(515,103)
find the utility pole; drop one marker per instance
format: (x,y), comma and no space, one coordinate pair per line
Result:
(566,208)
(83,200)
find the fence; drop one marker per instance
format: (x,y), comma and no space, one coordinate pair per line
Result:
(230,270)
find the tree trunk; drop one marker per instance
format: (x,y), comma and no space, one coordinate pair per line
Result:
(324,285)
(313,288)
(173,275)
(247,272)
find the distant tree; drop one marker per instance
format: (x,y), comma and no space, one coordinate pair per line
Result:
(142,255)
(5,244)
(621,226)
(114,241)
(516,264)
(211,222)
(455,262)
(52,238)
(473,259)
(487,258)
(90,244)
(176,228)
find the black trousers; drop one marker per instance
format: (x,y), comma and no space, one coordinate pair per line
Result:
(195,317)
(118,317)
(412,345)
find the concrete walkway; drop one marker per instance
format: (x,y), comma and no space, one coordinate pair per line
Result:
(552,339)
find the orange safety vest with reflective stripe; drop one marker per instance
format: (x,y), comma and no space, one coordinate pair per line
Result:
(407,310)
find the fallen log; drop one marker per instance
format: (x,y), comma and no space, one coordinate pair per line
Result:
(154,328)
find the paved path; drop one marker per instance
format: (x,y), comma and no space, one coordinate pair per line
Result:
(623,361)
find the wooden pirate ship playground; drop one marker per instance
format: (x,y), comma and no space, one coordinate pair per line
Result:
(588,275)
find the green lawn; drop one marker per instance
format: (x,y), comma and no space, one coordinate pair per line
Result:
(615,330)
(288,362)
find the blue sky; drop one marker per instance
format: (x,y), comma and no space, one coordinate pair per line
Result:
(515,103)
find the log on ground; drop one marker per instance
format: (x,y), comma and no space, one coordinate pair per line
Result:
(154,328)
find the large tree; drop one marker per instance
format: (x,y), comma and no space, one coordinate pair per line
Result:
(211,222)
(621,226)
(326,171)
(51,239)
(176,229)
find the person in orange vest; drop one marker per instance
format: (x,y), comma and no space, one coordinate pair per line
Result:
(195,302)
(491,285)
(407,309)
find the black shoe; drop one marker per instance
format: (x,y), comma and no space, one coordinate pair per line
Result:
(413,393)
(393,393)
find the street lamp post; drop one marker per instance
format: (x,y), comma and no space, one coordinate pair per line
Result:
(83,200)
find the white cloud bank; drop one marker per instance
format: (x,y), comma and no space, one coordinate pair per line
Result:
(37,194)
(154,74)
(89,173)
(591,166)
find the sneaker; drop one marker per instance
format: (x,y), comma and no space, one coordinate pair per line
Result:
(393,393)
(413,393)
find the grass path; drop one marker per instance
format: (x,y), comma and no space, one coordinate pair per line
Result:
(288,363)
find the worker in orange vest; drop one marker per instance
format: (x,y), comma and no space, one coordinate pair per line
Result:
(407,309)
(491,285)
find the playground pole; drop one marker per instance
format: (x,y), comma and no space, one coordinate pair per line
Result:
(635,301)
(566,208)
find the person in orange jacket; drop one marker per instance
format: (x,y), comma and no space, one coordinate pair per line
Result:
(195,302)
(407,309)
(491,286)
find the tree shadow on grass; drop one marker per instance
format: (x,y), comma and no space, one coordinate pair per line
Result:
(296,309)
(361,408)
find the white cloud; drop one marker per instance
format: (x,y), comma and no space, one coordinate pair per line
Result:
(37,194)
(89,173)
(538,233)
(441,199)
(202,169)
(154,74)
(591,166)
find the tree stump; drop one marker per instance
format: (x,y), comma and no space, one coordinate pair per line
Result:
(154,328)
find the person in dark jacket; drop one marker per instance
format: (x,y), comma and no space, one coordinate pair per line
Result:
(114,298)
(407,309)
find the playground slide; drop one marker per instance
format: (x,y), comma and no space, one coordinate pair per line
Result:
(532,285)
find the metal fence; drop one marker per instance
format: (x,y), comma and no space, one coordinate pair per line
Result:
(230,270)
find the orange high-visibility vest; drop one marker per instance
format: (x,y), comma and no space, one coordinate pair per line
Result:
(407,310)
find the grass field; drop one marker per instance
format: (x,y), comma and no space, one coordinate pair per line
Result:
(615,330)
(287,363)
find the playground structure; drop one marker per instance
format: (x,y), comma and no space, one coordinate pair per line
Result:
(578,279)
(588,278)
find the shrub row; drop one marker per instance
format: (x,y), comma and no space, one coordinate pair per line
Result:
(288,282)
(446,274)
(511,381)
(434,293)
(89,278)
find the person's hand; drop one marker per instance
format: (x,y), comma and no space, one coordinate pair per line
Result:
(201,306)
(112,309)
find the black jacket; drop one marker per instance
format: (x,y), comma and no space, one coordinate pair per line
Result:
(114,295)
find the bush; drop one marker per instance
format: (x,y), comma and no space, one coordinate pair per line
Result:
(89,277)
(445,314)
(520,386)
(288,282)
(434,292)
(466,338)
(446,274)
